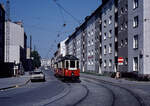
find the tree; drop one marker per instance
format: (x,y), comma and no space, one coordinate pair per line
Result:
(36,59)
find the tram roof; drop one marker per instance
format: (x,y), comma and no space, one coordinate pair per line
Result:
(68,57)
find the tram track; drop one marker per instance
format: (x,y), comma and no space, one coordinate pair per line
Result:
(108,89)
(84,97)
(64,93)
(136,96)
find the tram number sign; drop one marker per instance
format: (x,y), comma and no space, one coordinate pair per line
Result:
(120,60)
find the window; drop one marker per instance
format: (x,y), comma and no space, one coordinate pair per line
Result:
(77,64)
(89,34)
(110,48)
(67,64)
(126,7)
(105,49)
(92,52)
(72,64)
(135,22)
(89,53)
(92,32)
(110,63)
(135,64)
(110,33)
(105,22)
(126,24)
(105,63)
(135,42)
(92,42)
(89,62)
(92,62)
(121,43)
(126,41)
(122,10)
(110,20)
(135,4)
(105,35)
(121,27)
(88,43)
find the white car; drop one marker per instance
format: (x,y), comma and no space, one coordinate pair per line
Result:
(37,76)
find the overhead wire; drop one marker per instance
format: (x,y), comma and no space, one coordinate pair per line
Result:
(67,12)
(61,10)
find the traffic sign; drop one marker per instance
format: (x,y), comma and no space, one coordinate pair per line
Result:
(120,60)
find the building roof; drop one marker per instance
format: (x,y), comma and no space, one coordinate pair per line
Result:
(87,18)
(2,7)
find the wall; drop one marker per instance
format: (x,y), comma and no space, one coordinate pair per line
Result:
(2,33)
(14,55)
(146,34)
(135,31)
(107,11)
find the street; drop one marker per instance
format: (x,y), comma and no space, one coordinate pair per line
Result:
(91,91)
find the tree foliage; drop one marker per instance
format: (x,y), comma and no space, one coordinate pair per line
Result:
(36,59)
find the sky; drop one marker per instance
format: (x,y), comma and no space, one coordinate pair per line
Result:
(44,20)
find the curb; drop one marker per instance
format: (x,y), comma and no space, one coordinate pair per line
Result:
(118,81)
(15,86)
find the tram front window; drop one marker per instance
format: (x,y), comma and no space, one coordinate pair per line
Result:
(72,64)
(67,64)
(77,64)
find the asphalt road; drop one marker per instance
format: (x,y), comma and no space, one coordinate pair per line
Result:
(53,92)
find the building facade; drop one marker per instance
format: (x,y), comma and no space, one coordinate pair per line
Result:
(138,36)
(78,42)
(83,47)
(90,28)
(123,34)
(118,28)
(109,37)
(2,33)
(17,46)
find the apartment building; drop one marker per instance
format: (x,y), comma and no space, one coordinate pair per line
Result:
(91,44)
(138,36)
(109,37)
(83,47)
(2,33)
(17,46)
(117,28)
(123,34)
(70,46)
(84,43)
(78,42)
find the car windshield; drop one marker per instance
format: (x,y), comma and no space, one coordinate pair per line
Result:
(37,72)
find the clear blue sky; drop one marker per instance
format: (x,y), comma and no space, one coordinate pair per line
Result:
(43,20)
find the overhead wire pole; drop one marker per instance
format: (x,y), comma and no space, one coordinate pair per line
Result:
(7,29)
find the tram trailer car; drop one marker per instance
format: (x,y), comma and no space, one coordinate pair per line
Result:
(68,67)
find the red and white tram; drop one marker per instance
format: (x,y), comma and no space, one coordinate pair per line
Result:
(67,67)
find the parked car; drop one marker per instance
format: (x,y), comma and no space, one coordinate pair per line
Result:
(37,75)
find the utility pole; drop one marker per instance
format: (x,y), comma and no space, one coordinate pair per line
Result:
(7,29)
(30,45)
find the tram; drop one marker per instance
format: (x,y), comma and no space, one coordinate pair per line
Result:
(67,67)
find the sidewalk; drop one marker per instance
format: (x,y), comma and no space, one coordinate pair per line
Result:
(117,81)
(13,81)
